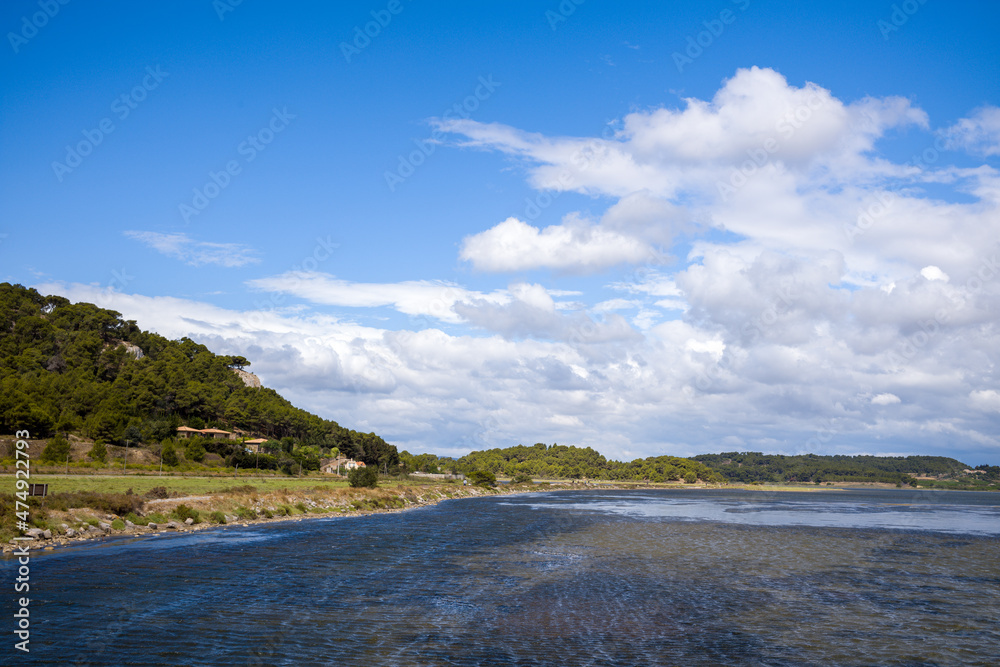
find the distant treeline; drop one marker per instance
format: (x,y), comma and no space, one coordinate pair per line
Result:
(749,467)
(64,369)
(566,462)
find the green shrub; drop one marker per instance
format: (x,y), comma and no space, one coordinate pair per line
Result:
(482,478)
(99,452)
(183,512)
(245,513)
(691,477)
(363,477)
(169,455)
(521,478)
(217,517)
(118,524)
(158,492)
(57,450)
(302,508)
(267,513)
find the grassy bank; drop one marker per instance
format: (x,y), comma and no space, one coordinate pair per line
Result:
(80,507)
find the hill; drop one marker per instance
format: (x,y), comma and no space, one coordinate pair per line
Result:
(78,368)
(750,467)
(566,462)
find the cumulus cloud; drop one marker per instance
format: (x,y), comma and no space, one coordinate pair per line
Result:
(514,245)
(885,399)
(979,134)
(196,253)
(831,300)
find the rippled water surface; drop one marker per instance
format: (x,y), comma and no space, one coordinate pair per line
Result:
(567,578)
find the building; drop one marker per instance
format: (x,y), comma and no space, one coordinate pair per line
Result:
(253,446)
(340,465)
(184,432)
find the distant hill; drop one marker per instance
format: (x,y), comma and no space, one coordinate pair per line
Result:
(78,368)
(567,462)
(756,467)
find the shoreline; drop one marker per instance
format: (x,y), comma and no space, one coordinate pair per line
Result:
(276,506)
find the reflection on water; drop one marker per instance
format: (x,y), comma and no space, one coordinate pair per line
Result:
(573,578)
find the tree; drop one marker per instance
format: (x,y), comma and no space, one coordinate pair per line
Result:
(483,478)
(363,477)
(169,454)
(691,477)
(98,452)
(195,451)
(56,450)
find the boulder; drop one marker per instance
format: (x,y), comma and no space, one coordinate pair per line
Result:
(47,534)
(129,524)
(151,525)
(70,532)
(188,521)
(173,525)
(106,527)
(35,533)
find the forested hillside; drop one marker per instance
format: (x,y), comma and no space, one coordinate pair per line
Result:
(756,467)
(563,461)
(68,368)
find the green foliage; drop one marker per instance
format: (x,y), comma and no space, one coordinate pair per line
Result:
(56,450)
(245,513)
(690,477)
(169,455)
(65,364)
(363,477)
(99,452)
(217,517)
(568,462)
(482,478)
(183,512)
(521,478)
(748,467)
(195,451)
(118,524)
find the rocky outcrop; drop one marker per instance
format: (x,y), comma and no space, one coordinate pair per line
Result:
(249,379)
(134,350)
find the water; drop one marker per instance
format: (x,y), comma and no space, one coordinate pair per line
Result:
(565,578)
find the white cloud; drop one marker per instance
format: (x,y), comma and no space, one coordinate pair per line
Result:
(574,246)
(933,273)
(885,399)
(414,297)
(979,134)
(196,253)
(986,399)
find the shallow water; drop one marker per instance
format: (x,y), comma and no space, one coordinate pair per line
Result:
(564,578)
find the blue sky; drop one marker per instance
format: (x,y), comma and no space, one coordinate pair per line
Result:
(650,228)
